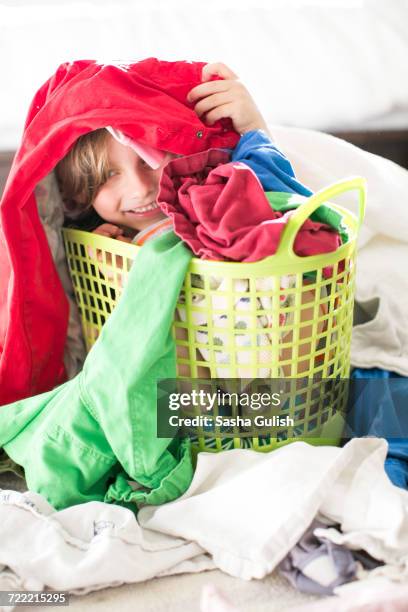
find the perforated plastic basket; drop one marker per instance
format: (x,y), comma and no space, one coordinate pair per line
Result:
(279,318)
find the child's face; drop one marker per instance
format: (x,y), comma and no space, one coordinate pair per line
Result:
(131,187)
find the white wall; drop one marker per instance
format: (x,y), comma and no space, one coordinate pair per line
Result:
(312,63)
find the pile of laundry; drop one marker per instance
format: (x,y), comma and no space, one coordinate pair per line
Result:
(324,516)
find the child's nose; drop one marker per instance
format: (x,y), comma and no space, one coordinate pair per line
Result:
(141,185)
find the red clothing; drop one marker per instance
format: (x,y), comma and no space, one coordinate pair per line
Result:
(220,210)
(146,101)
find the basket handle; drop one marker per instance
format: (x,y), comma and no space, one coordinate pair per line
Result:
(304,211)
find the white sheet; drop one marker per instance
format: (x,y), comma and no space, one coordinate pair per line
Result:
(382,279)
(242,513)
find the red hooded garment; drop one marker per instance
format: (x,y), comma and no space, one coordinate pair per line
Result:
(144,100)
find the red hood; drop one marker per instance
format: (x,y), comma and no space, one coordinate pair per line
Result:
(146,101)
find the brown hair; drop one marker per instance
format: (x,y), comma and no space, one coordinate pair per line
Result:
(80,174)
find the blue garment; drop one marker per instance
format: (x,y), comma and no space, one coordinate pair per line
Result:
(256,150)
(380,409)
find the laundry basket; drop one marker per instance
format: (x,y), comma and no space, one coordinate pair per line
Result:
(283,318)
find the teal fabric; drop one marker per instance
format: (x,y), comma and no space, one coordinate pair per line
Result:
(83,440)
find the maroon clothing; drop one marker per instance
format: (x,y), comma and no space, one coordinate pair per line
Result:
(220,210)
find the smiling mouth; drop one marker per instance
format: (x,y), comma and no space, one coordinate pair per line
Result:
(143,209)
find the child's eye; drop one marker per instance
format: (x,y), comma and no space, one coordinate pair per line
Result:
(112,173)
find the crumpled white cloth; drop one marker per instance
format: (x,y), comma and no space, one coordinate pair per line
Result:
(380,338)
(242,514)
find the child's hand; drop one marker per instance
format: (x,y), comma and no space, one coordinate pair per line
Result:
(105,259)
(111,231)
(226,98)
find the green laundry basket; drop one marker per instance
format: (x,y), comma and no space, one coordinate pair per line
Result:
(285,317)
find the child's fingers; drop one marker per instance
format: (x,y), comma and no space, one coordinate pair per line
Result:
(207,89)
(124,239)
(226,110)
(103,257)
(96,255)
(109,230)
(105,234)
(219,69)
(211,102)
